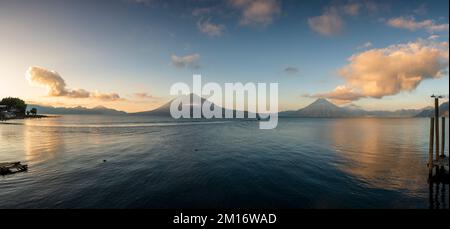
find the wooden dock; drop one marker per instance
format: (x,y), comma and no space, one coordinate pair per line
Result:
(437,159)
(7,168)
(441,162)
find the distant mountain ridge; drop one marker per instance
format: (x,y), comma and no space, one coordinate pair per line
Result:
(323,108)
(164,110)
(443,111)
(99,110)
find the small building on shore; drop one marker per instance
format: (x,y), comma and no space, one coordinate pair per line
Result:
(7,113)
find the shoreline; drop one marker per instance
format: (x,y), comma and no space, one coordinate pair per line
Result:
(36,116)
(31,117)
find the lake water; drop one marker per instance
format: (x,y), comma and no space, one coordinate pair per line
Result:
(160,163)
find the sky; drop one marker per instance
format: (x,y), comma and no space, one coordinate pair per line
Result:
(126,54)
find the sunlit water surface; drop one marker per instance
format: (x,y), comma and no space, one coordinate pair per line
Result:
(142,162)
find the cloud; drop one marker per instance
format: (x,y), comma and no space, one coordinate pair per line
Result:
(398,68)
(105,96)
(373,7)
(365,45)
(421,10)
(186,61)
(352,8)
(410,23)
(210,29)
(327,24)
(256,12)
(77,93)
(144,95)
(57,86)
(202,11)
(51,79)
(433,37)
(142,2)
(331,21)
(290,70)
(340,95)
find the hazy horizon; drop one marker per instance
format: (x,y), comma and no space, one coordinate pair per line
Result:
(442,101)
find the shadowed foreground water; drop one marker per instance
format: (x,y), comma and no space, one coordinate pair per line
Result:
(159,163)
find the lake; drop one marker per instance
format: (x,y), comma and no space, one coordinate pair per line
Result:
(84,161)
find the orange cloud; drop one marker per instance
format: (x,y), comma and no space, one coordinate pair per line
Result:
(210,29)
(377,73)
(332,20)
(410,23)
(327,24)
(257,12)
(144,95)
(186,61)
(340,95)
(57,86)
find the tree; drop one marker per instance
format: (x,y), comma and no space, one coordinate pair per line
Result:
(15,103)
(33,111)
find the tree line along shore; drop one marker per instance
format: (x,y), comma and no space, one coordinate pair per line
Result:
(15,108)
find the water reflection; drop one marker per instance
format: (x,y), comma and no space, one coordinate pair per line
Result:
(437,189)
(41,144)
(380,163)
(12,138)
(392,163)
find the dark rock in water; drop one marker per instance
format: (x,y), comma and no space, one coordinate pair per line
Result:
(104,160)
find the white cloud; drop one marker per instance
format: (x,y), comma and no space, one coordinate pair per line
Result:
(186,61)
(257,12)
(399,68)
(57,86)
(410,23)
(366,45)
(433,37)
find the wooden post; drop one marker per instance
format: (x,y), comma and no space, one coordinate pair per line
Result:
(443,137)
(431,144)
(436,126)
